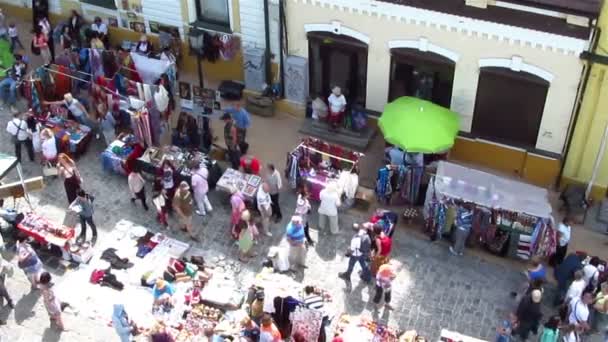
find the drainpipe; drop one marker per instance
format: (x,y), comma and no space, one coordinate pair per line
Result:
(598,162)
(580,96)
(281,32)
(267,33)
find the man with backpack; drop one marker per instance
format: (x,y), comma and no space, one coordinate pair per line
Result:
(359,251)
(578,317)
(18,130)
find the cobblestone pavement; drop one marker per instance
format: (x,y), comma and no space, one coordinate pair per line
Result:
(432,291)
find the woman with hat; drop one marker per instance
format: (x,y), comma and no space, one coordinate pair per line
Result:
(183,205)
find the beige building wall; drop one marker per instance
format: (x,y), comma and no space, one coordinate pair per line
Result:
(564,66)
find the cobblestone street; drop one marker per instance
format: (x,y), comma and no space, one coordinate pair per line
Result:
(433,290)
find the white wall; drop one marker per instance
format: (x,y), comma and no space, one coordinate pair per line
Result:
(252,25)
(472,40)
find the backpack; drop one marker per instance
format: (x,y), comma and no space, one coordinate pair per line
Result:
(15,137)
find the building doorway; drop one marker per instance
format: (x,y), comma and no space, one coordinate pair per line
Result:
(509,106)
(337,60)
(420,74)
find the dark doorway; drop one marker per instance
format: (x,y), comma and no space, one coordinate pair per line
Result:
(509,106)
(425,75)
(337,61)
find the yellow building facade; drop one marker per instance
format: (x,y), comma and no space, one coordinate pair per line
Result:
(592,119)
(128,18)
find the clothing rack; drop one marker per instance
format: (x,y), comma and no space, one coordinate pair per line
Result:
(110,91)
(328,154)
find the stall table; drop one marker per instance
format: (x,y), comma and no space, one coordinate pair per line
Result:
(180,159)
(45,231)
(247,184)
(74,137)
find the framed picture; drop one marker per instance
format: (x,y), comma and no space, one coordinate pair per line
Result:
(125,5)
(113,21)
(196,91)
(124,22)
(184,91)
(156,27)
(137,26)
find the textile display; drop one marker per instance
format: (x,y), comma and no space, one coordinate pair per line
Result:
(361,329)
(45,231)
(149,69)
(491,191)
(73,137)
(517,234)
(307,322)
(315,163)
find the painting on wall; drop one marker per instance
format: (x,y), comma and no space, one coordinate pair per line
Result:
(137,26)
(113,21)
(156,27)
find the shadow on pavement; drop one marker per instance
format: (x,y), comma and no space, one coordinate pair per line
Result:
(24,307)
(51,335)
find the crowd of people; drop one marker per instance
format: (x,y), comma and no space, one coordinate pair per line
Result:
(581,304)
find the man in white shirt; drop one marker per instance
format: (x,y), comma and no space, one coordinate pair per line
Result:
(17,127)
(563,234)
(577,287)
(337,105)
(200,187)
(579,316)
(265,207)
(101,28)
(591,272)
(328,208)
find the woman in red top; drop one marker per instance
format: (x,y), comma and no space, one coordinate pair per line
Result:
(40,41)
(383,244)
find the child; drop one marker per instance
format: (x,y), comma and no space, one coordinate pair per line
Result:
(551,330)
(53,306)
(504,331)
(13,34)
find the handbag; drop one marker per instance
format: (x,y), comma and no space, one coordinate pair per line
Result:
(49,170)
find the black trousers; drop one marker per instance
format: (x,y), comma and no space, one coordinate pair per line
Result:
(3,292)
(83,227)
(235,158)
(141,196)
(29,147)
(276,208)
(558,257)
(378,295)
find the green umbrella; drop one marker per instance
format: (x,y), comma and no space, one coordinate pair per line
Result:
(417,125)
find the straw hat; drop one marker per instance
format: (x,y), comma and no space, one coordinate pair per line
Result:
(160,284)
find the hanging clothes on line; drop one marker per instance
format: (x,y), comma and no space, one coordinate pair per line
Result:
(149,69)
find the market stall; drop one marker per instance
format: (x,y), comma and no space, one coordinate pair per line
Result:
(247,184)
(315,163)
(72,136)
(363,329)
(44,231)
(510,218)
(181,160)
